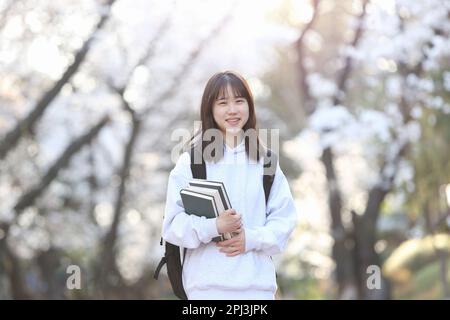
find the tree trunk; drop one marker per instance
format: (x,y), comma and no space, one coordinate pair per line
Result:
(108,272)
(342,251)
(365,256)
(12,267)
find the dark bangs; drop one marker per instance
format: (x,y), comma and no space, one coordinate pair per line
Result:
(240,90)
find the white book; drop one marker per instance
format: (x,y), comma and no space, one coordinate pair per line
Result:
(215,185)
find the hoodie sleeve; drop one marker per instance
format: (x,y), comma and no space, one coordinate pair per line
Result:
(180,228)
(281,219)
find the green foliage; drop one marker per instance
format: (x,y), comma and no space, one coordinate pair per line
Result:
(424,284)
(305,288)
(431,158)
(414,268)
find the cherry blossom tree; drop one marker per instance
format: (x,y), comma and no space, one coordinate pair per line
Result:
(394,51)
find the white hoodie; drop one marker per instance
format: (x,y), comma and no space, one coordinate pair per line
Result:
(209,273)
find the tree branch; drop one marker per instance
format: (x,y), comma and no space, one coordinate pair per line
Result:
(307,99)
(28,198)
(26,125)
(4,14)
(345,72)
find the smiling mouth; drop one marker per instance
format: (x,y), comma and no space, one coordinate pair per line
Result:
(233,121)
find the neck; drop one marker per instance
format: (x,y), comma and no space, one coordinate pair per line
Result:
(232,140)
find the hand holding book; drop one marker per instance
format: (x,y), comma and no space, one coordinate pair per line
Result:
(229,222)
(210,199)
(234,246)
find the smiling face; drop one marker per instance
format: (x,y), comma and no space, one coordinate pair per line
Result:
(228,106)
(230,111)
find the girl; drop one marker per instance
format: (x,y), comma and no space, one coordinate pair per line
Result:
(241,267)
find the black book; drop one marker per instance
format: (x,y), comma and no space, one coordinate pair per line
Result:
(206,203)
(203,185)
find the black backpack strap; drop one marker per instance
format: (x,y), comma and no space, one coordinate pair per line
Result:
(184,256)
(158,268)
(269,176)
(163,262)
(198,169)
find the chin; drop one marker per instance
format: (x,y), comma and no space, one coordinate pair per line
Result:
(233,130)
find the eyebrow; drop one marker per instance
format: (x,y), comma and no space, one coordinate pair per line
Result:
(225,98)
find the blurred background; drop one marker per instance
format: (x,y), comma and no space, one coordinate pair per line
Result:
(91,92)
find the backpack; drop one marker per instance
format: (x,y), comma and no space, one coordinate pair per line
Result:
(173,256)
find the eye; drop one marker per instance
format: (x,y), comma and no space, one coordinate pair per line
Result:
(240,101)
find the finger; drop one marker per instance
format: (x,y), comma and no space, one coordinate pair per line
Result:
(220,243)
(233,247)
(225,243)
(234,253)
(227,249)
(234,219)
(230,244)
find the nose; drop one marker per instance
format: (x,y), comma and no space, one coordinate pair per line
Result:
(232,108)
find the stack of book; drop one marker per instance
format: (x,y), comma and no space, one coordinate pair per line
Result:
(206,198)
